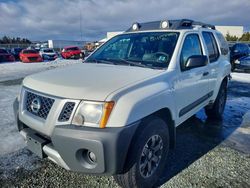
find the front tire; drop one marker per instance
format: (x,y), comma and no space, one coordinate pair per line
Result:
(147,157)
(216,111)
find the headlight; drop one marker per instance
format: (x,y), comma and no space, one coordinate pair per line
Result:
(93,114)
(237,61)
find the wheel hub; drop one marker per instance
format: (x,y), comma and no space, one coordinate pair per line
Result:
(151,156)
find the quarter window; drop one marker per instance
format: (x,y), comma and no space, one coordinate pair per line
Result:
(191,46)
(212,47)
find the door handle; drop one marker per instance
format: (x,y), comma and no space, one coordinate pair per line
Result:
(205,74)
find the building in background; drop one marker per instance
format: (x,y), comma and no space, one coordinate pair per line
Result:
(110,35)
(231,30)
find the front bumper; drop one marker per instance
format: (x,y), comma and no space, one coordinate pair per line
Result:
(68,143)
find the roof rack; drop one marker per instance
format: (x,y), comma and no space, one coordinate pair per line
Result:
(172,24)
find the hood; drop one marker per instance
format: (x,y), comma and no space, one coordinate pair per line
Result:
(87,81)
(246,58)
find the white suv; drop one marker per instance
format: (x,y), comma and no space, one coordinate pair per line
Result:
(117,112)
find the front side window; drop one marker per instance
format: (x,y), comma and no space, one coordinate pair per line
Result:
(149,49)
(212,47)
(191,46)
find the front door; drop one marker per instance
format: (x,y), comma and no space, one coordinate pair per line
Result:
(192,85)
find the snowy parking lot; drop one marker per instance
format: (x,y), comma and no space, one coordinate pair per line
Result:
(208,153)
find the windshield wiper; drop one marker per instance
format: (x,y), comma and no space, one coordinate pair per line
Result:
(135,63)
(120,61)
(100,61)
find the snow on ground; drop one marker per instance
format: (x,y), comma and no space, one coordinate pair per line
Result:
(11,140)
(241,77)
(15,70)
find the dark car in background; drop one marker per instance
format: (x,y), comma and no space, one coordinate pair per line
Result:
(243,63)
(238,51)
(15,52)
(5,56)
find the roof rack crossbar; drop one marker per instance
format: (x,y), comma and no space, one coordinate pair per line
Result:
(173,24)
(188,23)
(204,25)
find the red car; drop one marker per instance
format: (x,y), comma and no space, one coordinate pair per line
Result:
(5,56)
(71,52)
(29,56)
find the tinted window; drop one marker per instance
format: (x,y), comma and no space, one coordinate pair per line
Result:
(72,49)
(191,46)
(153,49)
(48,51)
(223,44)
(29,52)
(212,47)
(245,47)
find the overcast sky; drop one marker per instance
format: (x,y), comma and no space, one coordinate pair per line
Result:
(60,19)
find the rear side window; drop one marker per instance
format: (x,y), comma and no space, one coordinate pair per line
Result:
(191,46)
(212,47)
(223,44)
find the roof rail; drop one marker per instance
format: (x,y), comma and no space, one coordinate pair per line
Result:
(184,23)
(173,24)
(204,25)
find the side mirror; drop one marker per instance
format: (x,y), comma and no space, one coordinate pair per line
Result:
(196,61)
(236,51)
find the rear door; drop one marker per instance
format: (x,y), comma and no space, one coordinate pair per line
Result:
(213,57)
(192,85)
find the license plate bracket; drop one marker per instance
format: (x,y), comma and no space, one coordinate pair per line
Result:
(35,144)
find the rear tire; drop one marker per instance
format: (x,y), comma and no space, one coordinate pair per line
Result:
(147,157)
(216,111)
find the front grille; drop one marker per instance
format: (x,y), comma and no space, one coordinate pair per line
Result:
(32,58)
(45,104)
(66,112)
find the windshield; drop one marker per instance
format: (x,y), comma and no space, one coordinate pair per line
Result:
(72,49)
(29,52)
(48,51)
(149,49)
(2,51)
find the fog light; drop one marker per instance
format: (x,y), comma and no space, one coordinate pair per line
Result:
(92,157)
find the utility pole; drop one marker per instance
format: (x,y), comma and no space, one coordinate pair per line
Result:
(81,24)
